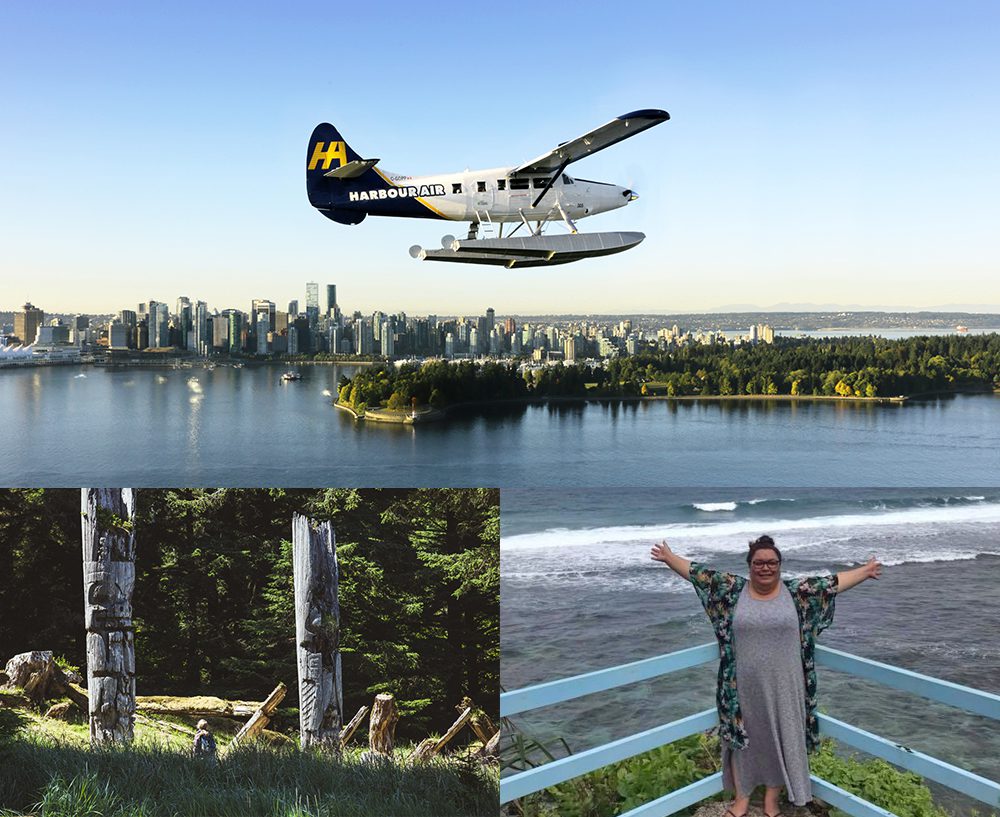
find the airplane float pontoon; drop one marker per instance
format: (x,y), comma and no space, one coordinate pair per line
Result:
(346,188)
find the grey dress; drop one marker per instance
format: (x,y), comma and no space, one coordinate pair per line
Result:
(772,699)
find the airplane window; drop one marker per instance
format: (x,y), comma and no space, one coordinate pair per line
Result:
(567,179)
(481,187)
(456,188)
(501,184)
(540,183)
(518,184)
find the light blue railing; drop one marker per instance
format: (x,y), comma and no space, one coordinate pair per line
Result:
(542,777)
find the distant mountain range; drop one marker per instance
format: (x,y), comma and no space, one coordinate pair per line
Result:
(788,307)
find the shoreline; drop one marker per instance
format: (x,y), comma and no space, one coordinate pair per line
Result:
(381,415)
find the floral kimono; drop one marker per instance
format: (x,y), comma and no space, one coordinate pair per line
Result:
(814,601)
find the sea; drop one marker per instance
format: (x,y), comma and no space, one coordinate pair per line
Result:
(579,592)
(157,426)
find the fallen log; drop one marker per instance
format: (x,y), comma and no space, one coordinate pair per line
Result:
(429,748)
(348,731)
(260,718)
(199,706)
(479,721)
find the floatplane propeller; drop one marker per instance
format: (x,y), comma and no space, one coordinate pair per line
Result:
(347,189)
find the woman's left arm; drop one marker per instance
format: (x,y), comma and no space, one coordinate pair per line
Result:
(846,579)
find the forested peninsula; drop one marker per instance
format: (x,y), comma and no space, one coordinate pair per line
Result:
(852,367)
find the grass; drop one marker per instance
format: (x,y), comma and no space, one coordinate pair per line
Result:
(49,768)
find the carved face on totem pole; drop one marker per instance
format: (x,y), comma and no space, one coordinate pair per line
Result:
(109,594)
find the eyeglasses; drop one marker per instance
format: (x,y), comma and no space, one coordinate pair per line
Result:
(770,564)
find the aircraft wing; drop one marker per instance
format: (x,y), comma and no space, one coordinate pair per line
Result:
(606,135)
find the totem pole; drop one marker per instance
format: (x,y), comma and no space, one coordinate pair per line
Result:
(317,633)
(108,579)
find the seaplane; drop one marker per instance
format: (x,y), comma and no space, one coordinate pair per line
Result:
(346,188)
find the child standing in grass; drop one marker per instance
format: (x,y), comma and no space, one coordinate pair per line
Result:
(204,743)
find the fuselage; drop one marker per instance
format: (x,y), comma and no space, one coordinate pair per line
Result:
(479,195)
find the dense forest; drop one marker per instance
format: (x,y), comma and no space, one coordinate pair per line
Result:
(845,367)
(213,600)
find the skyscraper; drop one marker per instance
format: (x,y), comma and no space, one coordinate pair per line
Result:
(312,303)
(331,299)
(200,337)
(185,320)
(26,323)
(260,306)
(388,339)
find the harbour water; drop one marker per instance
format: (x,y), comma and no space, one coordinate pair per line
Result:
(245,427)
(579,592)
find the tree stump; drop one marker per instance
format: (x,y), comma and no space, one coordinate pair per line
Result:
(108,581)
(382,725)
(317,633)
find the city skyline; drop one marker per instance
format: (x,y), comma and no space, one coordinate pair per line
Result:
(823,155)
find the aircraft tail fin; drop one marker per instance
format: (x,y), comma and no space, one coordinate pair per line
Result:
(332,165)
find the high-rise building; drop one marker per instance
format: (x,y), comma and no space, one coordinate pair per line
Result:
(26,323)
(220,332)
(200,337)
(293,308)
(185,320)
(159,324)
(331,299)
(388,339)
(491,318)
(118,335)
(364,337)
(235,331)
(262,332)
(449,345)
(474,341)
(312,303)
(259,307)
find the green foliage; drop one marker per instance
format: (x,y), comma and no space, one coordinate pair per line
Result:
(11,724)
(214,605)
(84,796)
(845,367)
(623,786)
(902,793)
(55,779)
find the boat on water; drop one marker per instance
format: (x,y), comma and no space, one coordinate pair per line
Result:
(961,328)
(287,376)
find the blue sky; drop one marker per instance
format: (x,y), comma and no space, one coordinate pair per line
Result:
(823,153)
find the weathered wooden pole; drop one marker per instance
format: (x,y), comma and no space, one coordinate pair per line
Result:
(108,580)
(317,633)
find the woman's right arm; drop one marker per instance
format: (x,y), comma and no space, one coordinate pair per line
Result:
(678,564)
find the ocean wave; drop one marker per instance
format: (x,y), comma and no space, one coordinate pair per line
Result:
(711,507)
(730,535)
